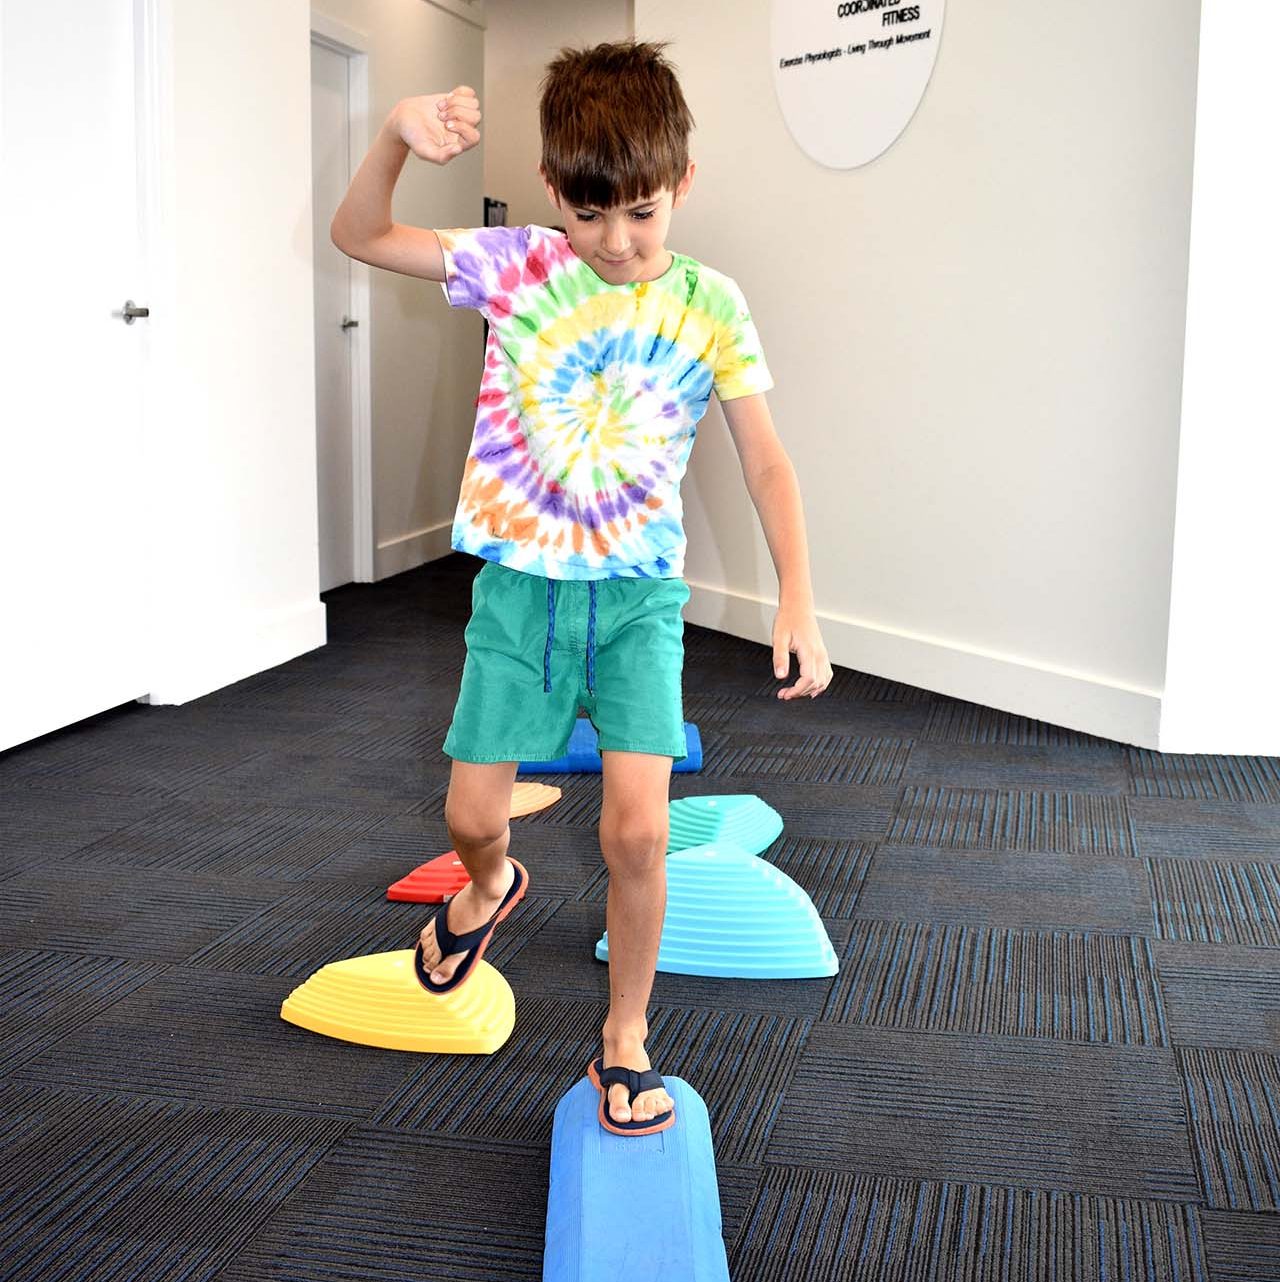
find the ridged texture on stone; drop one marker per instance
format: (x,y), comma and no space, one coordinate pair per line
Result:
(528,797)
(377,1001)
(432,882)
(733,915)
(745,820)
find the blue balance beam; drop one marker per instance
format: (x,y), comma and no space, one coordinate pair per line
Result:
(583,754)
(633,1208)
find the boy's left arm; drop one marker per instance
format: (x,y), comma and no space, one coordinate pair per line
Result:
(771,482)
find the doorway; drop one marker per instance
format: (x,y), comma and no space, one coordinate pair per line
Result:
(339,140)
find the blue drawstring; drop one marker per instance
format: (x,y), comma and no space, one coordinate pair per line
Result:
(551,632)
(591,640)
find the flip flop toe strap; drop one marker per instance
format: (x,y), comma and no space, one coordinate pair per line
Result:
(636,1081)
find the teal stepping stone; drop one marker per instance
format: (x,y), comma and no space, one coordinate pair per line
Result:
(743,819)
(733,915)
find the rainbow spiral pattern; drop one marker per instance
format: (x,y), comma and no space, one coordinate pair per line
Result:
(589,402)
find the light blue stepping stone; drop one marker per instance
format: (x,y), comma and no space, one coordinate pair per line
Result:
(742,818)
(634,1208)
(736,916)
(583,753)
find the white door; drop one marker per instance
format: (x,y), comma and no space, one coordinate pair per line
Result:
(330,177)
(72,483)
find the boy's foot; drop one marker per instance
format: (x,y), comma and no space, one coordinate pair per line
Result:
(470,908)
(629,1052)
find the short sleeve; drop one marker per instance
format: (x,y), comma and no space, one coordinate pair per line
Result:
(482,264)
(740,365)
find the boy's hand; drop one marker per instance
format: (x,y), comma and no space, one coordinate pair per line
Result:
(797,630)
(437,127)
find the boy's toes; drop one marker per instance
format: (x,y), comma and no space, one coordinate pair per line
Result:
(444,972)
(618,1105)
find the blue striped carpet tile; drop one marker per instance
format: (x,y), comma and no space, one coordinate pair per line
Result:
(1224,995)
(1205,829)
(861,1228)
(1216,901)
(154,767)
(982,1109)
(738,1062)
(956,721)
(320,780)
(707,708)
(1077,986)
(372,737)
(384,691)
(1233,1100)
(867,719)
(205,1037)
(44,996)
(1010,766)
(99,1189)
(983,819)
(323,923)
(1211,777)
(255,840)
(1023,889)
(1241,1247)
(387,1206)
(814,758)
(39,827)
(147,915)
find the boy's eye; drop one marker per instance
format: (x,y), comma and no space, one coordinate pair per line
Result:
(590,218)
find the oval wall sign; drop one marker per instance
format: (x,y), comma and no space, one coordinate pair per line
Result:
(850,73)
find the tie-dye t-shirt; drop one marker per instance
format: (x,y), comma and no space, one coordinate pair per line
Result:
(589,402)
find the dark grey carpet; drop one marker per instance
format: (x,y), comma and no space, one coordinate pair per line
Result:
(1052,1053)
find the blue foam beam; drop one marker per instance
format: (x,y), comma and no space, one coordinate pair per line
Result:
(635,1208)
(583,754)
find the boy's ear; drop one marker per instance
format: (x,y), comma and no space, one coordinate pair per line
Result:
(552,195)
(683,187)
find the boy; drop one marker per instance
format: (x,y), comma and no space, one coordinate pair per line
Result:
(602,352)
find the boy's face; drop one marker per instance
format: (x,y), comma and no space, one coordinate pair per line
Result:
(623,244)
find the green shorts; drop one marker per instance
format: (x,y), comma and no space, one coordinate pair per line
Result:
(539,650)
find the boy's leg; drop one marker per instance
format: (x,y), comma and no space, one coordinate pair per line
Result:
(477,813)
(633,838)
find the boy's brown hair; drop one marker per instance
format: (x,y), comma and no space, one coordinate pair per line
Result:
(615,126)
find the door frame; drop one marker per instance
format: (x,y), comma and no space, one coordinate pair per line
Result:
(354,46)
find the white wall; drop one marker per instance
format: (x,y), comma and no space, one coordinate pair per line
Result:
(977,343)
(232,405)
(1223,690)
(521,38)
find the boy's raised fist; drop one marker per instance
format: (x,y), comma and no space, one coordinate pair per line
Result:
(438,126)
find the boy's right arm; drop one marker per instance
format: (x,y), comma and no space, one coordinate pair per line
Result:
(435,127)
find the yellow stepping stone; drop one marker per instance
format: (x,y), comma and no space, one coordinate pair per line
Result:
(528,797)
(376,1001)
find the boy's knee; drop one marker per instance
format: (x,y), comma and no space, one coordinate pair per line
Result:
(633,843)
(471,827)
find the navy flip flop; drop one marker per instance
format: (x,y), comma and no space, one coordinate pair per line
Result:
(636,1081)
(473,943)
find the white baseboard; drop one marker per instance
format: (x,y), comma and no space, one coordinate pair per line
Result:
(412,550)
(1078,700)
